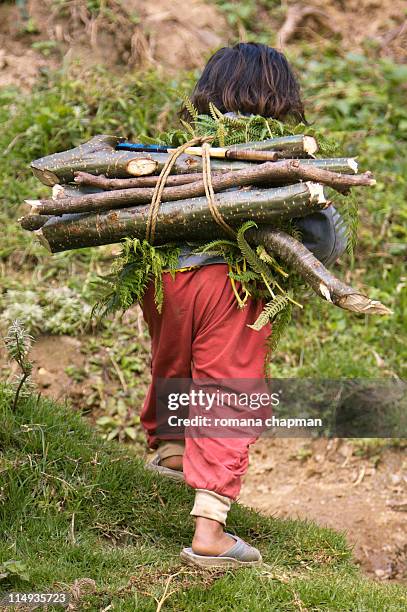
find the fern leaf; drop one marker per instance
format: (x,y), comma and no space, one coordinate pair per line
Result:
(192,110)
(269,312)
(250,254)
(279,327)
(244,277)
(188,128)
(215,112)
(215,245)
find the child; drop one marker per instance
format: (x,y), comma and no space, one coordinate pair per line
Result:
(201,334)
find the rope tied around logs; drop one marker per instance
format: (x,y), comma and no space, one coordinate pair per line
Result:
(207,179)
(209,192)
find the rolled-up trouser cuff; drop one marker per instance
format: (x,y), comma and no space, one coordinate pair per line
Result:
(211,505)
(171,448)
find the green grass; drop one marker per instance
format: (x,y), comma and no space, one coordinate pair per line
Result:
(74,506)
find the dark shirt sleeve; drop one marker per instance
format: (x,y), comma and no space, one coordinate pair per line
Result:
(324,234)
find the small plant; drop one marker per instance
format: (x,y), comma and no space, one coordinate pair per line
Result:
(18,343)
(121,423)
(13,568)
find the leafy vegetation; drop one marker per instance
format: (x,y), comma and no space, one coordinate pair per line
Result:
(70,522)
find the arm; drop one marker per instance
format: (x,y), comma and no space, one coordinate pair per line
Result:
(323,233)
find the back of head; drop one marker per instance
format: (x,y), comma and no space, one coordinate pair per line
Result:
(249,78)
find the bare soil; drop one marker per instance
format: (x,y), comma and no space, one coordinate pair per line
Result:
(174,34)
(169,34)
(378,27)
(325,481)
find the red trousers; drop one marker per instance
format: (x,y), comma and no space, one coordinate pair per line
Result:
(202,334)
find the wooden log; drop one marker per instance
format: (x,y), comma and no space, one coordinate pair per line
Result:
(183,219)
(98,156)
(289,171)
(320,279)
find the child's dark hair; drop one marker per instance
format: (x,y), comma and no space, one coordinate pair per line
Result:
(249,78)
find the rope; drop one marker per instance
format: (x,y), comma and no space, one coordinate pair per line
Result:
(207,179)
(209,192)
(159,188)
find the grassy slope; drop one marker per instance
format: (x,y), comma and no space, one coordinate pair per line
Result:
(74,507)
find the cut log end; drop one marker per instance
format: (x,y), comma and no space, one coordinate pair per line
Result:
(310,145)
(57,192)
(32,222)
(353,164)
(316,191)
(357,302)
(34,205)
(45,176)
(142,166)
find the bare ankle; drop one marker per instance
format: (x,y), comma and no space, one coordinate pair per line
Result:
(173,463)
(210,538)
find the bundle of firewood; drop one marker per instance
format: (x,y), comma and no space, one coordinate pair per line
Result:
(102,192)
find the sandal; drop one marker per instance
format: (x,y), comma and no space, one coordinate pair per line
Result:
(240,555)
(154,466)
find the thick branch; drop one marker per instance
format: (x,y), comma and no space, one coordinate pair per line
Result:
(320,279)
(290,171)
(183,219)
(101,181)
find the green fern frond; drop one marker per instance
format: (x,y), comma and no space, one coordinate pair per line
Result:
(215,245)
(270,260)
(215,112)
(269,312)
(264,256)
(234,121)
(212,111)
(188,128)
(192,110)
(244,277)
(138,264)
(250,254)
(279,327)
(221,134)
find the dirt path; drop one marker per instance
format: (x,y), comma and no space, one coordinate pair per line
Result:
(326,482)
